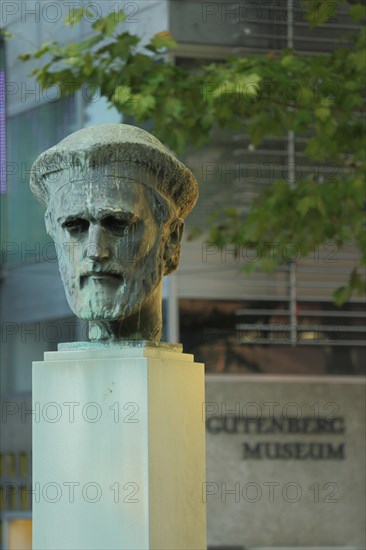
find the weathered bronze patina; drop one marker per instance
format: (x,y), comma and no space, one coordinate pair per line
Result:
(115,201)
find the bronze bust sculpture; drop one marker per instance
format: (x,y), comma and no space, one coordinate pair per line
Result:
(115,201)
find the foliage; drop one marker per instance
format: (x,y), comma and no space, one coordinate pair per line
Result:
(270,95)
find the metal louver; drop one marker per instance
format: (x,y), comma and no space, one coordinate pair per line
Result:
(293,305)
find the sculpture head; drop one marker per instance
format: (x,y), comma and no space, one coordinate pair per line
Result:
(115,201)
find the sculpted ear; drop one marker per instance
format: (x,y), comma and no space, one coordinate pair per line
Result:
(172,245)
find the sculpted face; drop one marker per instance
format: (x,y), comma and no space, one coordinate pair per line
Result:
(113,239)
(115,201)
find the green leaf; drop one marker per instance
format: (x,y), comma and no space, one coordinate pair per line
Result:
(291,62)
(352,85)
(88,64)
(89,42)
(75,61)
(322,113)
(248,86)
(74,49)
(342,294)
(173,107)
(143,104)
(6,35)
(24,56)
(42,50)
(163,40)
(306,95)
(357,12)
(358,59)
(121,95)
(304,205)
(319,11)
(75,16)
(108,24)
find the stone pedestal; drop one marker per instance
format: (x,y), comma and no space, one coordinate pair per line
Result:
(118,449)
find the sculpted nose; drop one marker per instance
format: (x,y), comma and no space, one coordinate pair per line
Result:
(96,247)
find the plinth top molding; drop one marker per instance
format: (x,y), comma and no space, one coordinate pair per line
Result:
(122,344)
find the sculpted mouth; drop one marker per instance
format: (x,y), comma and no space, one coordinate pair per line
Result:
(100,276)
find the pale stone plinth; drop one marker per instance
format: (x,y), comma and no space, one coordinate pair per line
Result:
(118,449)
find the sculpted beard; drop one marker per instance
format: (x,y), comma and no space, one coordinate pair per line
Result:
(121,295)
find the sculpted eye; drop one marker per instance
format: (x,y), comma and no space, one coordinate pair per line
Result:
(77,225)
(117,225)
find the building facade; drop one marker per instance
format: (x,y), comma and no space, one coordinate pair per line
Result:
(283,323)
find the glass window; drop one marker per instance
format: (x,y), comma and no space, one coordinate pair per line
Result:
(2,119)
(28,134)
(255,337)
(19,534)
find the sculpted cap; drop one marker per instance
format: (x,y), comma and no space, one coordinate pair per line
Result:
(115,144)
